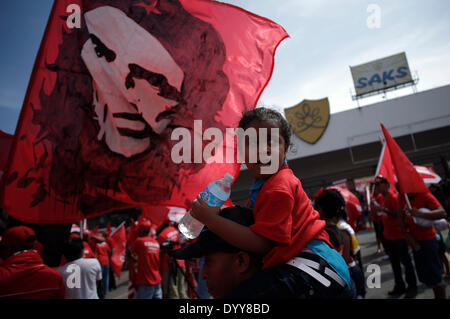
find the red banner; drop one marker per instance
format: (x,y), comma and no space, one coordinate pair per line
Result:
(409,180)
(118,241)
(104,98)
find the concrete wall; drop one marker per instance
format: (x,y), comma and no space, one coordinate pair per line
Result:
(404,115)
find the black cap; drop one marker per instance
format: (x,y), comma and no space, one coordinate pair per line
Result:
(208,242)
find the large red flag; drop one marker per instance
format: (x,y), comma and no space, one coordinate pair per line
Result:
(409,180)
(105,98)
(118,242)
(385,167)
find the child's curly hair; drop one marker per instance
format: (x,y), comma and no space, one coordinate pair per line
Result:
(332,203)
(263,114)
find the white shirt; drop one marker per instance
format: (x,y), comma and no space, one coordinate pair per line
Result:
(80,278)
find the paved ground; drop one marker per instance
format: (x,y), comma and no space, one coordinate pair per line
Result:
(369,255)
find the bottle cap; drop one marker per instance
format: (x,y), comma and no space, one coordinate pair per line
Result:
(228,177)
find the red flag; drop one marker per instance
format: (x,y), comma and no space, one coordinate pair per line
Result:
(386,168)
(118,240)
(95,131)
(409,181)
(156,214)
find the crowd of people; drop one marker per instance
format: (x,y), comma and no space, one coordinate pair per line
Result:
(281,245)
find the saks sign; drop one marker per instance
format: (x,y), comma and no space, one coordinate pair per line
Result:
(381,74)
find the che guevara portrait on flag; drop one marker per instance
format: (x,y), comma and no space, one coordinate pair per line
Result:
(104,99)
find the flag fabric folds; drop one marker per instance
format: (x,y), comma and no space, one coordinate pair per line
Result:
(105,99)
(409,180)
(118,241)
(385,167)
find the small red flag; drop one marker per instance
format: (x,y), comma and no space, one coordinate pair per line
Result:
(118,240)
(385,167)
(409,180)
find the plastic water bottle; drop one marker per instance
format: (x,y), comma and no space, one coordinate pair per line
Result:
(215,195)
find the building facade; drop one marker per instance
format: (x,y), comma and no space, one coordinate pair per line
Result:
(351,144)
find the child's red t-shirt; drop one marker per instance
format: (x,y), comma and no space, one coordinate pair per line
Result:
(283,213)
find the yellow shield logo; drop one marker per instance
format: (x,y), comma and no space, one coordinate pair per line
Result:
(309,119)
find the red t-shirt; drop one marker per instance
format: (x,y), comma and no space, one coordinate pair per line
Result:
(376,215)
(169,233)
(24,276)
(421,200)
(102,253)
(147,251)
(283,213)
(391,226)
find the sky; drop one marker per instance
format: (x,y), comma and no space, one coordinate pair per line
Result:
(326,37)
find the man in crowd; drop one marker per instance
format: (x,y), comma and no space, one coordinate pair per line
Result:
(174,280)
(423,238)
(226,266)
(103,253)
(23,274)
(145,251)
(82,276)
(395,241)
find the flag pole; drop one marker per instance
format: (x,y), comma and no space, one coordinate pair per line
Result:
(407,201)
(368,197)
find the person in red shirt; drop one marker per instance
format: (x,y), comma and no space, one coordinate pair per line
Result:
(378,224)
(423,239)
(396,244)
(145,251)
(287,229)
(173,280)
(103,252)
(23,274)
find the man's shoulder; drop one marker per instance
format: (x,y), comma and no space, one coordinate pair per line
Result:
(91,262)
